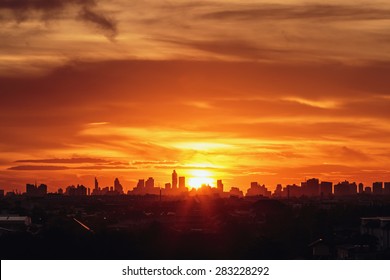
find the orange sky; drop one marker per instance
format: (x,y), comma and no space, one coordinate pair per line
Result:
(267,91)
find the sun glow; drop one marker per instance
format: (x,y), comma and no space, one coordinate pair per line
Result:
(199,178)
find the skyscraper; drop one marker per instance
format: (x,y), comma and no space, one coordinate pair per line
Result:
(149,184)
(141,184)
(220,186)
(312,187)
(96,190)
(361,188)
(326,189)
(174,179)
(386,190)
(182,183)
(117,186)
(377,187)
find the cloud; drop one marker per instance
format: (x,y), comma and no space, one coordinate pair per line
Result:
(185,167)
(120,121)
(38,167)
(352,154)
(154,162)
(57,168)
(299,12)
(232,47)
(106,24)
(48,10)
(64,160)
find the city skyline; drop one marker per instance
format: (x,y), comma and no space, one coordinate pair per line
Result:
(312,187)
(270,91)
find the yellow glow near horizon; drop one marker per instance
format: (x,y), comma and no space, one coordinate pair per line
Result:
(199,178)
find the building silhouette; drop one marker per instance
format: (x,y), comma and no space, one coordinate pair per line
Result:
(278,191)
(182,183)
(345,189)
(149,184)
(311,187)
(174,180)
(361,188)
(326,189)
(80,190)
(220,186)
(386,190)
(377,188)
(236,192)
(96,190)
(293,191)
(117,186)
(258,190)
(141,183)
(36,191)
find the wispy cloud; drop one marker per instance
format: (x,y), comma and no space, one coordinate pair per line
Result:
(104,23)
(48,10)
(65,160)
(57,168)
(153,162)
(267,11)
(36,167)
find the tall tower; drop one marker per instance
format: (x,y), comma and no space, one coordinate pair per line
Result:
(174,179)
(220,186)
(182,183)
(117,186)
(96,184)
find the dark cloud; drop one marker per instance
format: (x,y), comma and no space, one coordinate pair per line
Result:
(308,11)
(64,160)
(41,4)
(103,22)
(37,167)
(47,9)
(56,168)
(104,167)
(184,167)
(157,162)
(128,78)
(53,9)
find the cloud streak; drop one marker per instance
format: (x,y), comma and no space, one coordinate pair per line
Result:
(48,10)
(59,168)
(106,24)
(64,160)
(300,12)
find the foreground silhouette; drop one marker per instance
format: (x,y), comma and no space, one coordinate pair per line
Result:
(200,227)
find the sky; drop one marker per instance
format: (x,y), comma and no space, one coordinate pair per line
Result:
(267,91)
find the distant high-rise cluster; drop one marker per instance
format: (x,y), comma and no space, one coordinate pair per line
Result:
(34,190)
(311,188)
(177,186)
(117,189)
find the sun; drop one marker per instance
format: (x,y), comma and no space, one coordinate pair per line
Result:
(199,178)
